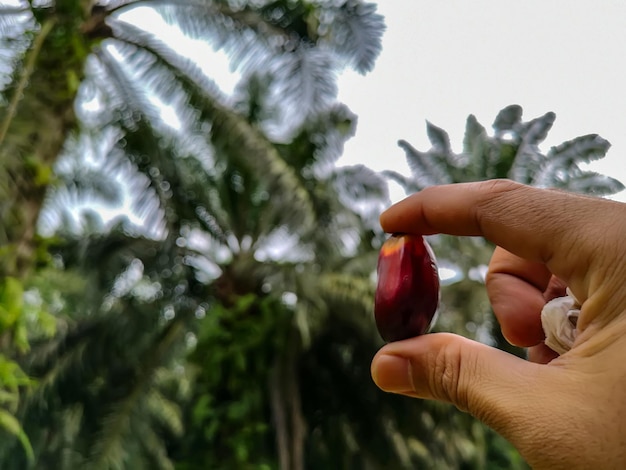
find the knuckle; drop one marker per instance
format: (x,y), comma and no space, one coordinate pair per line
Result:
(495,198)
(501,185)
(449,372)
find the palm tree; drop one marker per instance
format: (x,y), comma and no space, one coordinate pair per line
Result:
(511,152)
(234,179)
(54,43)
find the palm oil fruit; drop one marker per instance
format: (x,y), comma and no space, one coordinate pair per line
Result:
(407,294)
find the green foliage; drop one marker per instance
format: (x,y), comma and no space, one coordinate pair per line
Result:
(511,152)
(210,200)
(24,317)
(11,302)
(10,424)
(12,381)
(229,421)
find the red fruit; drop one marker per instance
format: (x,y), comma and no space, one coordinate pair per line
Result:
(407,294)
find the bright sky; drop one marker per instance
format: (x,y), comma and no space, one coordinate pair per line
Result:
(444,60)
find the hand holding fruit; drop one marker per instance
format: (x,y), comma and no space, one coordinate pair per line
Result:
(560,412)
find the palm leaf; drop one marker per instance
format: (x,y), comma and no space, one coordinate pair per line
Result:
(354,29)
(439,139)
(528,158)
(164,411)
(15,25)
(303,82)
(536,130)
(248,147)
(427,167)
(109,450)
(589,182)
(363,190)
(10,424)
(508,119)
(475,135)
(409,184)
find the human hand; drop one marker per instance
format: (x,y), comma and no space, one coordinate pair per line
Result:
(565,411)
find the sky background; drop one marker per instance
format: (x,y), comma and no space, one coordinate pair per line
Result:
(444,60)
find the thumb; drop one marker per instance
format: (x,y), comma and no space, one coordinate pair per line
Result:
(558,416)
(496,387)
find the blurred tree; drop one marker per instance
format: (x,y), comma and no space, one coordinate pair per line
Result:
(511,152)
(36,113)
(214,192)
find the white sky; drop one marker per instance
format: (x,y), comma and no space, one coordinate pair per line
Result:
(443,60)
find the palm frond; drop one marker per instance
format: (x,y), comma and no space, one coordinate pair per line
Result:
(590,182)
(154,452)
(319,142)
(15,25)
(362,189)
(409,184)
(99,176)
(165,411)
(508,119)
(536,130)
(10,424)
(251,149)
(243,35)
(346,290)
(303,71)
(109,450)
(355,30)
(428,168)
(439,139)
(305,82)
(132,77)
(529,158)
(513,152)
(62,363)
(475,135)
(564,159)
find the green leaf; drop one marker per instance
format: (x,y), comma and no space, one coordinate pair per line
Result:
(583,149)
(10,424)
(20,337)
(508,118)
(596,184)
(535,131)
(355,30)
(561,165)
(439,138)
(360,183)
(427,167)
(475,133)
(11,301)
(410,185)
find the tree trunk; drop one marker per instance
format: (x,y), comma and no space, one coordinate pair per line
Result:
(34,127)
(286,408)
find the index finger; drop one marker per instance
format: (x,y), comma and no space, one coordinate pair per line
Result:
(539,225)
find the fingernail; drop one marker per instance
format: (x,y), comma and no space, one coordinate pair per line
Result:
(392,374)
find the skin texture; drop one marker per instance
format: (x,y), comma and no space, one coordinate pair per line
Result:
(561,412)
